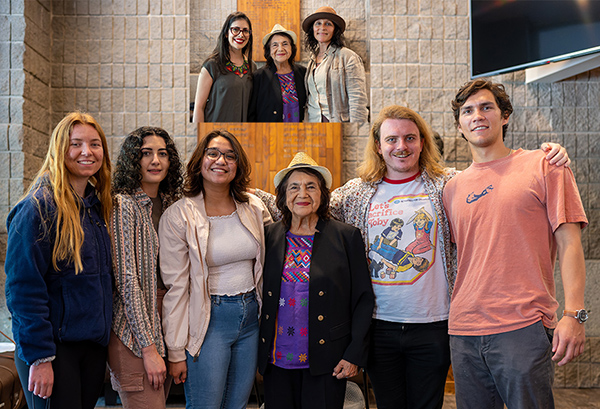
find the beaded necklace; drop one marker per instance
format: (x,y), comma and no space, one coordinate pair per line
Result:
(237,70)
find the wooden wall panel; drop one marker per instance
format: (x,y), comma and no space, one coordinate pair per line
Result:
(264,14)
(271,146)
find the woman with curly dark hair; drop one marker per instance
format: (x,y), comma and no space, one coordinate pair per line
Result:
(148,178)
(211,256)
(335,78)
(225,81)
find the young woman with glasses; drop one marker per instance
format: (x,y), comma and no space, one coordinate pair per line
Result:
(211,258)
(225,81)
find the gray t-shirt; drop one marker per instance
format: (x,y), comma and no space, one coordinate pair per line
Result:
(229,95)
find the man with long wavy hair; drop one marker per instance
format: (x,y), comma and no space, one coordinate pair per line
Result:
(400,177)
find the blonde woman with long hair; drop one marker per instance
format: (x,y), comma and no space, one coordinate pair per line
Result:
(59,270)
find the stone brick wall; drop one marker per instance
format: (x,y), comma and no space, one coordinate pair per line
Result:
(584,371)
(123,61)
(25,37)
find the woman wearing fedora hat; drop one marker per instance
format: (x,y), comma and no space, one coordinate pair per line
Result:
(335,79)
(318,299)
(225,81)
(278,94)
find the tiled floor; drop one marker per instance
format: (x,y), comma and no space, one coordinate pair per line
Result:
(564,399)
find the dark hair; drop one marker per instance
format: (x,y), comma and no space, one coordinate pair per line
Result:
(397,222)
(221,52)
(312,45)
(421,267)
(474,86)
(439,142)
(128,176)
(267,49)
(281,196)
(194,181)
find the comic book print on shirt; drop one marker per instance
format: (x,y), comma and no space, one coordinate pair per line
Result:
(290,345)
(403,230)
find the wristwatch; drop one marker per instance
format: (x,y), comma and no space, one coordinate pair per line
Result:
(579,315)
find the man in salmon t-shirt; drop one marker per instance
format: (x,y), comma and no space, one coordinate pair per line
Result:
(510,214)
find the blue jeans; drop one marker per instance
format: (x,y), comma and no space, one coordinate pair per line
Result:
(512,368)
(222,375)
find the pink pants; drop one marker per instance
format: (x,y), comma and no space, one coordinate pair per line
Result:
(128,376)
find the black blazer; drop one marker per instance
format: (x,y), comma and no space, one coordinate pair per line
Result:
(266,103)
(340,296)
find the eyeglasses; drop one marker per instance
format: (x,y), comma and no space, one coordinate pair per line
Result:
(215,154)
(236,30)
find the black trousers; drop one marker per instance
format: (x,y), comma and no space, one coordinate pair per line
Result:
(408,364)
(79,370)
(298,389)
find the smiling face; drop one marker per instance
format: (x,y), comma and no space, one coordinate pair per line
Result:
(420,221)
(323,30)
(400,145)
(303,194)
(240,40)
(154,163)
(218,172)
(480,120)
(281,48)
(84,156)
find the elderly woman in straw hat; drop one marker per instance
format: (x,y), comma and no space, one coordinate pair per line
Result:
(278,94)
(318,299)
(335,79)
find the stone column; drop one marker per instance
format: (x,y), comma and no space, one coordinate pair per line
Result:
(25,47)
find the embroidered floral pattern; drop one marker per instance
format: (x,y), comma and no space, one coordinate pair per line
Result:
(242,70)
(290,347)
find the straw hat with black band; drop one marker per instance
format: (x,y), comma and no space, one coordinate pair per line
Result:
(303,160)
(279,29)
(323,12)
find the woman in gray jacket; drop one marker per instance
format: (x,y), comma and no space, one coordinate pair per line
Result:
(335,79)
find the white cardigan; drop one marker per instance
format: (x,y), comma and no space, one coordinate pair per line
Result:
(183,234)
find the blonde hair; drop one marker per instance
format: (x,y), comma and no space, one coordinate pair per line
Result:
(373,167)
(69,236)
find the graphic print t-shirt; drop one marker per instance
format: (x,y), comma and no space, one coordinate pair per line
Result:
(405,254)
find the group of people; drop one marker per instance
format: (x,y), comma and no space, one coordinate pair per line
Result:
(331,89)
(188,277)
